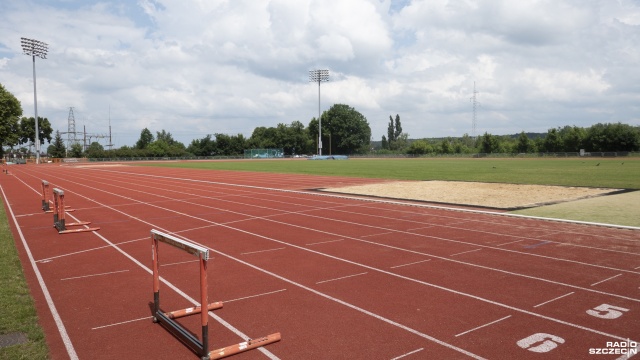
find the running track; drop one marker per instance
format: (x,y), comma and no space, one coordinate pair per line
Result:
(338,277)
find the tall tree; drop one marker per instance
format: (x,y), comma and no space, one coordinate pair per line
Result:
(391,134)
(57,148)
(146,138)
(28,130)
(10,112)
(398,128)
(349,129)
(75,151)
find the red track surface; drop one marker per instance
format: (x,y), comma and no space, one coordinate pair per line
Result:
(338,277)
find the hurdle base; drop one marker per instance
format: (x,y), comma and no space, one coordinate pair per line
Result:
(192,310)
(244,346)
(69,231)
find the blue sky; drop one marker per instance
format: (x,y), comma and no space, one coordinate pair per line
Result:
(194,68)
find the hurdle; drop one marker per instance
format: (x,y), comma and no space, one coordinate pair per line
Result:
(46,198)
(200,347)
(58,216)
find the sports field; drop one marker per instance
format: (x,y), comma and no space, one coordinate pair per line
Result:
(339,277)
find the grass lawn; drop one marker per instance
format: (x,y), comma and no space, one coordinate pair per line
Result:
(623,173)
(17,310)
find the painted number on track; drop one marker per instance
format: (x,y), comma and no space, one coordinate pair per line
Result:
(540,342)
(606,311)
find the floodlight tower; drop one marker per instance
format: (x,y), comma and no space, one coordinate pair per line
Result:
(35,48)
(319,76)
(475,105)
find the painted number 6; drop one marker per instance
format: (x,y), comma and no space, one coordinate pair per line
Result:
(540,342)
(606,311)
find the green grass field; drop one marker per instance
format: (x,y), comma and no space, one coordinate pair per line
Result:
(623,173)
(17,311)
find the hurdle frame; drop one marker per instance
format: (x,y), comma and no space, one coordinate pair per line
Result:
(200,347)
(46,197)
(59,216)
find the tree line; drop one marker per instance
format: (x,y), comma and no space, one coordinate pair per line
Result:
(345,131)
(609,137)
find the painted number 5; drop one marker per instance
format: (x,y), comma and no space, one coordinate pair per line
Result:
(540,342)
(606,311)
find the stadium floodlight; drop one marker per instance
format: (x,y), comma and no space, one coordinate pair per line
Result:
(35,48)
(319,76)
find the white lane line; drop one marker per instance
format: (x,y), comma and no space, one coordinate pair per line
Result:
(122,322)
(464,252)
(421,228)
(554,299)
(416,262)
(92,275)
(407,354)
(87,250)
(637,268)
(378,234)
(324,242)
(71,351)
(481,326)
(252,296)
(340,278)
(607,279)
(261,251)
(178,263)
(510,242)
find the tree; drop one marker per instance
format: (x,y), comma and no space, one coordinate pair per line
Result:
(57,148)
(146,138)
(75,151)
(419,147)
(349,129)
(398,128)
(385,144)
(166,137)
(553,141)
(10,112)
(489,143)
(572,138)
(524,144)
(612,137)
(28,130)
(391,133)
(95,150)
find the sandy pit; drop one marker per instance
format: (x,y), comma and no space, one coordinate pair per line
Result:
(493,195)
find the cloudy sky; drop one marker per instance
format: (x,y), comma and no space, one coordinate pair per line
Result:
(194,68)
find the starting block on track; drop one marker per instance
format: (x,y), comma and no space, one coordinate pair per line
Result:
(58,215)
(200,347)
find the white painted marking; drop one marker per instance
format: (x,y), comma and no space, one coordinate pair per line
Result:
(71,351)
(416,262)
(340,278)
(252,296)
(378,234)
(122,322)
(481,326)
(407,354)
(511,242)
(261,251)
(87,250)
(181,262)
(554,299)
(607,279)
(92,275)
(464,252)
(324,242)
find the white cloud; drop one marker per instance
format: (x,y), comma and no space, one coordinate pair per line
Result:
(199,67)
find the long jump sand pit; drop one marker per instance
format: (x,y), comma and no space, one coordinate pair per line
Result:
(490,195)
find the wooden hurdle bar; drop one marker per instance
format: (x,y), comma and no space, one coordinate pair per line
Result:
(59,216)
(200,347)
